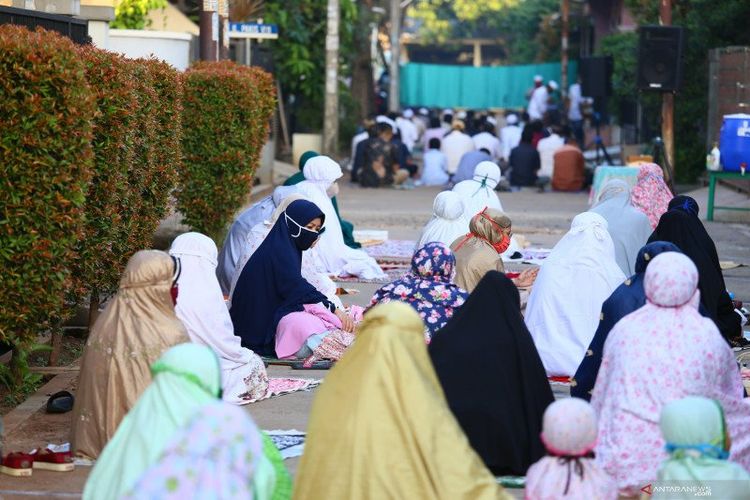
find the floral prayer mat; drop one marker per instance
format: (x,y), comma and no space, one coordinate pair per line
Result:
(392,250)
(290,443)
(280,386)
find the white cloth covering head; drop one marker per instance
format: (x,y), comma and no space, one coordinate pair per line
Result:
(657,354)
(511,119)
(562,315)
(424,111)
(628,226)
(479,192)
(553,85)
(569,430)
(408,113)
(538,78)
(385,119)
(335,257)
(447,223)
(201,308)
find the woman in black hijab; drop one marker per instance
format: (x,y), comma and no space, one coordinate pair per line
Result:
(493,378)
(680,225)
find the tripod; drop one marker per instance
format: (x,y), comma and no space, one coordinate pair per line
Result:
(660,158)
(598,142)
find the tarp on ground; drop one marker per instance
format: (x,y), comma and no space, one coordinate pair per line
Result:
(442,86)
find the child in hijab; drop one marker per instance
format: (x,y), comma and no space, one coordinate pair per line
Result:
(479,191)
(448,220)
(698,444)
(428,287)
(569,470)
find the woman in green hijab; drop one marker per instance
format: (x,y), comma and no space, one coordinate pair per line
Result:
(698,446)
(186,381)
(346,227)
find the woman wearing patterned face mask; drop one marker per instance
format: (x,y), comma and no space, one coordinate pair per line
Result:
(274,309)
(479,251)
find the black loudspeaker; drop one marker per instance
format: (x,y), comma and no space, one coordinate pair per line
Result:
(660,58)
(596,76)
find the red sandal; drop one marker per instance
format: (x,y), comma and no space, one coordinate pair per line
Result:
(17,464)
(47,459)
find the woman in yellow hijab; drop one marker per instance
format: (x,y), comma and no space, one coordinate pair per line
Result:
(381,428)
(137,326)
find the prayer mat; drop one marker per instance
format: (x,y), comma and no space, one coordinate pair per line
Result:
(392,250)
(512,481)
(280,386)
(531,255)
(290,443)
(392,274)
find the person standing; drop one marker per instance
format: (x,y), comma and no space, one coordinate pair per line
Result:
(538,102)
(510,136)
(575,117)
(455,145)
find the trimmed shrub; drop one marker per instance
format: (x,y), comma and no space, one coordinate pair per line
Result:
(100,256)
(46,161)
(226,114)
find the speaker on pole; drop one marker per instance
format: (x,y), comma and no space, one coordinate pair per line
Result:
(596,76)
(660,58)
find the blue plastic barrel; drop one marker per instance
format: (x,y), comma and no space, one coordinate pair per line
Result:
(735,142)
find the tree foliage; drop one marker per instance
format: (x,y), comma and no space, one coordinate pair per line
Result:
(709,25)
(133,14)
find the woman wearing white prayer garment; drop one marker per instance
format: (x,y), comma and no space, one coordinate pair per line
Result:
(311,263)
(321,173)
(563,309)
(628,226)
(448,220)
(242,225)
(201,308)
(479,192)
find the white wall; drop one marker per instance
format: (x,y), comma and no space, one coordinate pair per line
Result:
(173,48)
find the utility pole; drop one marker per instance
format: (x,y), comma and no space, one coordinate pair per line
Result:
(331,109)
(209,30)
(393,70)
(224,29)
(565,11)
(667,103)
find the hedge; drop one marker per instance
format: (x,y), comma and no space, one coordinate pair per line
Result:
(46,161)
(226,113)
(100,258)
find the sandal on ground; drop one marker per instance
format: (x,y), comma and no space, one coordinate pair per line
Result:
(17,464)
(58,461)
(60,402)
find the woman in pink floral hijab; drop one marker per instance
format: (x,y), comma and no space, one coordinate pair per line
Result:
(651,195)
(662,352)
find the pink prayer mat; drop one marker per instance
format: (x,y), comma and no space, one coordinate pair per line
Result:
(280,386)
(392,249)
(391,274)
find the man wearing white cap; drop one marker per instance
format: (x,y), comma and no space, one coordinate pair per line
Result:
(540,100)
(510,136)
(407,129)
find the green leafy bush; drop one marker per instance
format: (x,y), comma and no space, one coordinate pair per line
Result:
(45,165)
(133,14)
(227,108)
(101,258)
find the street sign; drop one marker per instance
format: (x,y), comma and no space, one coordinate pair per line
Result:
(253,30)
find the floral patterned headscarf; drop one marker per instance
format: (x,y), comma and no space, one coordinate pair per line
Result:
(428,287)
(651,195)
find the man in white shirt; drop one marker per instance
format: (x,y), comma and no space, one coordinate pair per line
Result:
(540,100)
(455,145)
(407,129)
(486,139)
(367,124)
(547,148)
(575,117)
(510,136)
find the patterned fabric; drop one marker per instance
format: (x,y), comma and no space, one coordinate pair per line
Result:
(428,287)
(220,454)
(661,352)
(569,471)
(651,195)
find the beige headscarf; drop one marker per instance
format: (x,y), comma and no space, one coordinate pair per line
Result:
(474,253)
(414,445)
(137,326)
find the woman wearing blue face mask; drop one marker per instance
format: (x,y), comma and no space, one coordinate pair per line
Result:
(275,311)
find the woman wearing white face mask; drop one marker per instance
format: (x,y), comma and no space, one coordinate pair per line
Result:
(274,309)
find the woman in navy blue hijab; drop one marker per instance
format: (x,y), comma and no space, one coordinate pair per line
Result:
(625,299)
(271,283)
